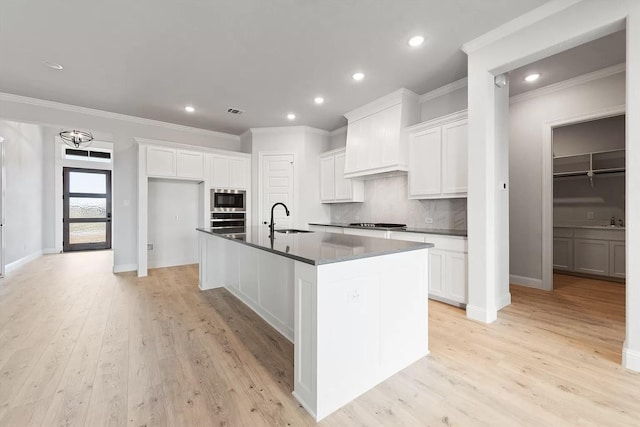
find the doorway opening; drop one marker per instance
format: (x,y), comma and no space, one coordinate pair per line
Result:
(86,209)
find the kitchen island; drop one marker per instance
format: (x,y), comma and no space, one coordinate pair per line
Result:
(355,307)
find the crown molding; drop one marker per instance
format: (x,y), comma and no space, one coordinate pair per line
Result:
(114,116)
(451,87)
(338,131)
(288,129)
(522,21)
(585,78)
(181,146)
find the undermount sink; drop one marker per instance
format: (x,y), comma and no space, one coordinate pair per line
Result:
(292,231)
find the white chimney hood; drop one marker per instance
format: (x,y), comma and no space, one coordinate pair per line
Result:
(376,146)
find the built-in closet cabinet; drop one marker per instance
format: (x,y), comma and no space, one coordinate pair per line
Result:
(334,187)
(438,158)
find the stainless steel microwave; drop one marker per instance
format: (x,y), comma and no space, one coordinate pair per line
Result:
(228,200)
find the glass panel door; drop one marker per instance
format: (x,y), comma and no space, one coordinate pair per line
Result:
(87,209)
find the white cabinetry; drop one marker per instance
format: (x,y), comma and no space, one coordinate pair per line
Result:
(174,163)
(438,158)
(334,187)
(229,172)
(374,142)
(597,251)
(448,265)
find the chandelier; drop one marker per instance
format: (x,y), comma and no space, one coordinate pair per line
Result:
(76,138)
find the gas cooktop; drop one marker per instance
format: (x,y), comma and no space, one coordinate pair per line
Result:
(377,225)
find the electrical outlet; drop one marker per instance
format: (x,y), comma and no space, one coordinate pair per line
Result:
(589,215)
(149,246)
(428,220)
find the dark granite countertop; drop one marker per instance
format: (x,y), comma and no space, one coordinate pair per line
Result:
(441,231)
(317,248)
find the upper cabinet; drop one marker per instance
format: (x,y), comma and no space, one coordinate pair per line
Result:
(174,163)
(438,158)
(230,172)
(334,187)
(375,146)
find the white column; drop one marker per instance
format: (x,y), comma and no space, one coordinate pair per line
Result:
(631,350)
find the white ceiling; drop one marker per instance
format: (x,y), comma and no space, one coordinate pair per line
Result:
(583,59)
(149,58)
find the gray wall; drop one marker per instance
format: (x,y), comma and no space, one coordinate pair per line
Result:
(24,145)
(527,118)
(595,135)
(386,201)
(443,105)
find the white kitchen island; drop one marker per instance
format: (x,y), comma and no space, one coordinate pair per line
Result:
(355,307)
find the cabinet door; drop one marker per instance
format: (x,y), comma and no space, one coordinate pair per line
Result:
(562,253)
(424,163)
(355,160)
(456,277)
(189,164)
(327,177)
(161,161)
(591,256)
(436,273)
(384,137)
(454,158)
(239,173)
(343,187)
(219,172)
(617,259)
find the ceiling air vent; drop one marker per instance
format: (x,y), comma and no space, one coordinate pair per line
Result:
(235,111)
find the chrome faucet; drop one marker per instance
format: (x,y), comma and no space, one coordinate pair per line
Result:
(271,224)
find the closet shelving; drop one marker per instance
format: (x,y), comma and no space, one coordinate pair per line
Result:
(589,164)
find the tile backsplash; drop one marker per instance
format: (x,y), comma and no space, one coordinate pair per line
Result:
(386,201)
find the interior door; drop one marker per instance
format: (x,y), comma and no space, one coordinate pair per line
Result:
(277,186)
(2,197)
(86,209)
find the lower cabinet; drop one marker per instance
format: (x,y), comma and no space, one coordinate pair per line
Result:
(589,251)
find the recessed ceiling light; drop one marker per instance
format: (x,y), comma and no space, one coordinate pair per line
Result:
(318,100)
(189,109)
(291,116)
(416,41)
(532,77)
(53,65)
(357,76)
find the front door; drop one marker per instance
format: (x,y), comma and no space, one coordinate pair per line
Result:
(86,209)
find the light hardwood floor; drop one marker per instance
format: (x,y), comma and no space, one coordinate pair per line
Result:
(81,346)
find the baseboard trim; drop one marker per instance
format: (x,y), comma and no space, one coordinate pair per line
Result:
(481,314)
(503,301)
(123,268)
(529,282)
(630,358)
(165,264)
(22,261)
(51,251)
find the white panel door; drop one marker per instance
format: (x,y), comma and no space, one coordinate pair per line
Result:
(277,186)
(2,208)
(327,179)
(424,163)
(189,164)
(219,172)
(454,158)
(343,186)
(161,161)
(239,173)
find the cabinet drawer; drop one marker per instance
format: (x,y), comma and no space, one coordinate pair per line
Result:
(562,232)
(589,233)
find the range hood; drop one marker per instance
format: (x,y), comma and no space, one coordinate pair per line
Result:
(376,144)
